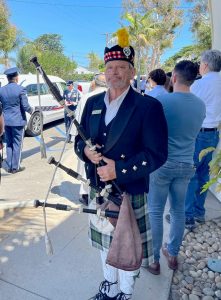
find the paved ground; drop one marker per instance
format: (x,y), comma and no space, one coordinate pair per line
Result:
(74,271)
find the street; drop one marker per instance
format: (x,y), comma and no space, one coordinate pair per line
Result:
(37,169)
(23,257)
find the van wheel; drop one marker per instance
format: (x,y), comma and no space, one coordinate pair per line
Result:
(34,125)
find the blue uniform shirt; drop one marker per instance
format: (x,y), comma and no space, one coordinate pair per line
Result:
(14,103)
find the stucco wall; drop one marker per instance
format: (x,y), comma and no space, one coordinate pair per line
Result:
(215,9)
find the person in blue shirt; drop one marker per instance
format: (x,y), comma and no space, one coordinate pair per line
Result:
(70,96)
(15,104)
(184,113)
(157,79)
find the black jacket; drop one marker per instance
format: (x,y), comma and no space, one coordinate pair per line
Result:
(137,140)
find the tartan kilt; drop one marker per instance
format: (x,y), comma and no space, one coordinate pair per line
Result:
(102,241)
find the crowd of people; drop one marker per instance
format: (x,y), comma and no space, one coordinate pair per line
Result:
(146,147)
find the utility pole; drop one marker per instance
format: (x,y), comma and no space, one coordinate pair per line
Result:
(107,34)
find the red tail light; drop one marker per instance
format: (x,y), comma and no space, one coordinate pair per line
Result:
(80,88)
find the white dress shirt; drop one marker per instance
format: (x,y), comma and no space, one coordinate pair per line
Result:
(113,106)
(208,88)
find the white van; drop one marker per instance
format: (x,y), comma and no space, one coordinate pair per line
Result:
(51,109)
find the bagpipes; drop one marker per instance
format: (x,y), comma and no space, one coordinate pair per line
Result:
(125,251)
(126,248)
(98,212)
(83,134)
(104,192)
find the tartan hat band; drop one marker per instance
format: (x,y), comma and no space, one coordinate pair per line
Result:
(113,55)
(118,53)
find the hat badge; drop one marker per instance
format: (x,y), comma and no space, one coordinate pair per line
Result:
(127,51)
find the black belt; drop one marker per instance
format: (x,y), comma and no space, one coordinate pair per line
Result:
(208,129)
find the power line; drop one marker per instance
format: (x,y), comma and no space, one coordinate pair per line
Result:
(64,4)
(80,5)
(107,34)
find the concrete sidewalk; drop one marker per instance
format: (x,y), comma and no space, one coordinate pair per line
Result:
(74,271)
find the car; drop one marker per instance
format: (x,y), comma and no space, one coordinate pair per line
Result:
(51,109)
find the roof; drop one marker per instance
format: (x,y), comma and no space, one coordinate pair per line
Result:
(82,70)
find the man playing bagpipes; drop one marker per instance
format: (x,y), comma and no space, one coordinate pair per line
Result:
(130,133)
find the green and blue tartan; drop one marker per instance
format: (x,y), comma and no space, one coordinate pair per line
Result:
(102,241)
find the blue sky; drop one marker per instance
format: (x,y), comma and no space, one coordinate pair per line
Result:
(83,25)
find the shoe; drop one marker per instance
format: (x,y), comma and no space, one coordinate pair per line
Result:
(171,260)
(200,219)
(105,285)
(9,171)
(190,224)
(84,199)
(122,296)
(154,268)
(167,218)
(18,170)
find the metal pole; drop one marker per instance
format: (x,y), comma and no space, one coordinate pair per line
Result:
(42,143)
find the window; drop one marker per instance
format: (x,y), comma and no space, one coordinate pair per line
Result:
(32,89)
(63,86)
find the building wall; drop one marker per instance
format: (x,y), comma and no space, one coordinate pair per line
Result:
(215,9)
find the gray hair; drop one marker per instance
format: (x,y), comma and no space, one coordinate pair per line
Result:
(213,59)
(99,80)
(130,66)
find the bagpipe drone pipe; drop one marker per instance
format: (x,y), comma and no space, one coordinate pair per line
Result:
(55,92)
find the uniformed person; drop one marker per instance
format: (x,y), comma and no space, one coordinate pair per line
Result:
(14,103)
(1,138)
(1,122)
(71,101)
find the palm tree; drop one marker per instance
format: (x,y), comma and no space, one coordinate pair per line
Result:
(10,39)
(141,31)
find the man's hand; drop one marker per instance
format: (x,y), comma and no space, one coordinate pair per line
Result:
(93,155)
(107,172)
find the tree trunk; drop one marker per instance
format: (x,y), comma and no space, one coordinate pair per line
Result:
(6,61)
(158,55)
(138,69)
(153,59)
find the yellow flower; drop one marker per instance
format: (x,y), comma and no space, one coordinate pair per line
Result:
(123,37)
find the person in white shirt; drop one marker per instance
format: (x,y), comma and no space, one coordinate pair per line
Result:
(208,88)
(157,79)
